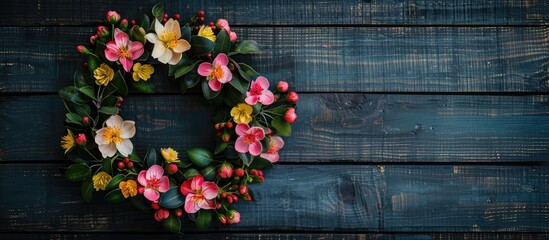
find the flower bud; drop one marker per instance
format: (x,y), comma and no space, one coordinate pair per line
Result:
(86,121)
(293,97)
(172,168)
(239,172)
(93,39)
(225,170)
(133,22)
(161,214)
(81,139)
(124,23)
(225,137)
(243,189)
(229,125)
(155,205)
(82,49)
(290,115)
(282,86)
(178,212)
(223,24)
(269,131)
(113,17)
(234,217)
(232,36)
(247,197)
(103,31)
(141,190)
(222,218)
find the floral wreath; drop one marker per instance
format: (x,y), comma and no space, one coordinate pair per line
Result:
(249,121)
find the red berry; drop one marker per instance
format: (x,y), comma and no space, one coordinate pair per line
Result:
(155,205)
(218,134)
(229,125)
(200,13)
(213,27)
(211,24)
(254,172)
(178,212)
(243,189)
(85,119)
(172,168)
(239,172)
(126,160)
(201,19)
(235,198)
(229,199)
(120,99)
(130,165)
(118,105)
(165,15)
(141,190)
(177,16)
(121,165)
(209,55)
(133,22)
(164,20)
(259,173)
(217,126)
(224,194)
(261,179)
(196,28)
(85,65)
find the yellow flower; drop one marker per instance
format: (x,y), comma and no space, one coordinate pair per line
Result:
(101,180)
(128,188)
(103,74)
(242,113)
(67,141)
(170,155)
(207,32)
(142,71)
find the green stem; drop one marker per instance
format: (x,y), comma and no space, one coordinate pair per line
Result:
(85,149)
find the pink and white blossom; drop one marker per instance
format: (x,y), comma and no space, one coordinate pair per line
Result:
(259,92)
(123,50)
(154,181)
(249,139)
(276,143)
(199,194)
(217,72)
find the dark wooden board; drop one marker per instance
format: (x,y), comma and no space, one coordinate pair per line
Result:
(282,236)
(320,59)
(331,127)
(317,198)
(302,12)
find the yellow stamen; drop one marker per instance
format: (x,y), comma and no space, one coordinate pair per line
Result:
(169,39)
(112,135)
(123,52)
(218,72)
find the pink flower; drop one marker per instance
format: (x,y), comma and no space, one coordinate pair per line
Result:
(113,17)
(282,86)
(272,154)
(200,194)
(223,24)
(259,92)
(154,181)
(290,115)
(216,73)
(233,217)
(249,139)
(161,214)
(123,49)
(293,97)
(232,36)
(225,170)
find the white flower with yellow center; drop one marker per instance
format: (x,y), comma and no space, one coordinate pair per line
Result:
(115,136)
(168,48)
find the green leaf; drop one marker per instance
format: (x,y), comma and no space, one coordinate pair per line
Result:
(222,43)
(282,127)
(208,93)
(153,157)
(260,163)
(172,223)
(79,80)
(184,69)
(172,198)
(143,86)
(88,91)
(200,156)
(72,94)
(279,110)
(203,220)
(190,80)
(114,196)
(184,61)
(119,84)
(186,33)
(232,96)
(220,146)
(87,189)
(248,71)
(137,34)
(246,47)
(74,118)
(158,11)
(247,158)
(108,110)
(93,63)
(140,202)
(106,165)
(134,156)
(77,172)
(113,184)
(190,173)
(201,46)
(239,83)
(209,173)
(83,110)
(145,22)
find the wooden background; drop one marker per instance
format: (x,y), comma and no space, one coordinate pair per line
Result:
(417,119)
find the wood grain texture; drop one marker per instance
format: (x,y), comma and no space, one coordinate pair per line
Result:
(284,12)
(330,128)
(283,236)
(318,59)
(395,198)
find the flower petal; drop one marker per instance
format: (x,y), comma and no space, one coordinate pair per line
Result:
(255,148)
(169,26)
(158,50)
(251,99)
(189,204)
(206,205)
(221,59)
(158,27)
(263,82)
(214,85)
(272,157)
(125,147)
(163,184)
(205,69)
(122,39)
(267,98)
(107,150)
(128,129)
(136,49)
(277,142)
(126,63)
(186,187)
(241,146)
(176,57)
(142,178)
(155,172)
(258,132)
(182,46)
(227,75)
(196,184)
(166,57)
(114,121)
(151,194)
(176,29)
(111,51)
(99,137)
(210,190)
(153,38)
(242,129)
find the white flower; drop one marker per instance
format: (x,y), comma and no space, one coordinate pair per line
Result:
(168,48)
(115,136)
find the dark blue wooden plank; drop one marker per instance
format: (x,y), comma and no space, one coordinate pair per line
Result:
(316,198)
(280,12)
(335,59)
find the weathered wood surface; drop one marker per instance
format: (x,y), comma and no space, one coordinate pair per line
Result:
(282,236)
(331,127)
(320,59)
(285,12)
(349,198)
